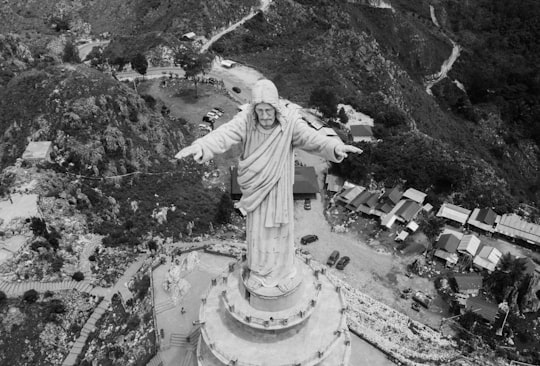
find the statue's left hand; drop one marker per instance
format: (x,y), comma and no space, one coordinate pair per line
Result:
(343,151)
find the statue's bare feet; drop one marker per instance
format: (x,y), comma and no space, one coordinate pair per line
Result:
(286,284)
(253,283)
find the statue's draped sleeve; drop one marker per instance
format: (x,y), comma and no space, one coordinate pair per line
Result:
(224,137)
(312,141)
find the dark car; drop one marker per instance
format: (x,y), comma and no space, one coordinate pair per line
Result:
(342,263)
(307,204)
(236,89)
(333,258)
(309,239)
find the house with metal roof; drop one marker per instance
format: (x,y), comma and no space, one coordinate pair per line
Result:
(333,183)
(408,211)
(514,226)
(483,219)
(388,200)
(484,308)
(469,244)
(448,243)
(450,258)
(366,203)
(37,151)
(415,195)
(454,213)
(468,284)
(361,133)
(487,258)
(349,194)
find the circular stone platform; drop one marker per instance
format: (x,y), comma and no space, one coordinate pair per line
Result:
(317,337)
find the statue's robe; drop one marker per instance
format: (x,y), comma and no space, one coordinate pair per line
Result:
(266,177)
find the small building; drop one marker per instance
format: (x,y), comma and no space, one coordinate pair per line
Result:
(388,200)
(447,242)
(190,36)
(38,151)
(334,183)
(469,244)
(487,258)
(408,211)
(411,227)
(228,63)
(415,195)
(312,119)
(514,226)
(485,309)
(468,284)
(367,203)
(450,258)
(454,213)
(361,133)
(490,253)
(402,235)
(483,219)
(349,194)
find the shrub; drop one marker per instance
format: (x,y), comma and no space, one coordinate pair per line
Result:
(133,322)
(152,245)
(38,226)
(30,296)
(92,258)
(57,263)
(141,286)
(3,296)
(78,276)
(48,294)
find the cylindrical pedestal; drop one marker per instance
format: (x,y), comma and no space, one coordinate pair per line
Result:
(311,331)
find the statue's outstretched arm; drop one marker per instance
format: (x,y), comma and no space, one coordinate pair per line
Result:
(218,141)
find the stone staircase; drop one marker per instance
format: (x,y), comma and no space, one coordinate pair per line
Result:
(164,306)
(156,360)
(88,328)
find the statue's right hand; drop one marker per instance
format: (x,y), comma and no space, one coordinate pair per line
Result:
(194,150)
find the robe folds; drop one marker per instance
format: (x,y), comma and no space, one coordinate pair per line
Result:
(266,177)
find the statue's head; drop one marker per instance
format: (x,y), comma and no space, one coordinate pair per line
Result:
(265,103)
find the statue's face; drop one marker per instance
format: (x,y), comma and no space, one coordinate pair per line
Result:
(266,114)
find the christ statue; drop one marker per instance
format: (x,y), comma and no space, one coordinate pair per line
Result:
(268,133)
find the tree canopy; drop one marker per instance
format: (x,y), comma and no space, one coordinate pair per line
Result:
(139,63)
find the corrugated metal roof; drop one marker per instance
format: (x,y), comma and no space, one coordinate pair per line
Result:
(409,210)
(453,212)
(448,242)
(469,244)
(415,195)
(485,309)
(487,216)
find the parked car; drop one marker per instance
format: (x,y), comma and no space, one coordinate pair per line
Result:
(333,258)
(219,109)
(415,306)
(236,89)
(422,298)
(307,204)
(342,263)
(309,239)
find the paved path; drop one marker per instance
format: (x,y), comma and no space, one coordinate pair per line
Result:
(90,325)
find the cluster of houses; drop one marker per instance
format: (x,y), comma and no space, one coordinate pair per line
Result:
(391,205)
(394,205)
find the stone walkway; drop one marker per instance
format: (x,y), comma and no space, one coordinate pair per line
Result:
(15,289)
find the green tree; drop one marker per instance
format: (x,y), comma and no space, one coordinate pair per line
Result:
(342,115)
(139,63)
(506,281)
(30,296)
(71,53)
(432,226)
(224,210)
(325,101)
(193,63)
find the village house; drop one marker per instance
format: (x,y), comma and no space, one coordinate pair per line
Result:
(485,309)
(515,227)
(389,199)
(190,36)
(487,258)
(484,219)
(468,284)
(469,244)
(361,133)
(349,194)
(415,195)
(38,151)
(446,248)
(333,183)
(454,213)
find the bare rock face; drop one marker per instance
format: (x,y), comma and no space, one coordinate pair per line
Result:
(98,126)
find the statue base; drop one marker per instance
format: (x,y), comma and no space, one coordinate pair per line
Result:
(273,298)
(311,330)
